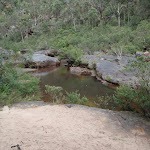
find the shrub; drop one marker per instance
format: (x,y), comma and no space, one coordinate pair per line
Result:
(105,102)
(142,34)
(15,87)
(56,93)
(71,53)
(74,97)
(59,96)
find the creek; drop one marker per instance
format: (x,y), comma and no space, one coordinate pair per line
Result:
(86,85)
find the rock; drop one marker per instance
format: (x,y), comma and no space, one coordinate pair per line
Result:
(27,69)
(114,73)
(80,71)
(64,62)
(147,54)
(110,69)
(139,54)
(41,60)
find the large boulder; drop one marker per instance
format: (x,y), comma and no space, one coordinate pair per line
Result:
(80,71)
(110,68)
(41,60)
(114,73)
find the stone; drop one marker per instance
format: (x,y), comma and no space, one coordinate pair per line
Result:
(41,60)
(110,69)
(139,54)
(114,73)
(147,54)
(80,71)
(64,62)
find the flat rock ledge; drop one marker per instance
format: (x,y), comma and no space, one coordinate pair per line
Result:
(111,69)
(36,126)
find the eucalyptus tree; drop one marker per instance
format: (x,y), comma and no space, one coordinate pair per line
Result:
(93,17)
(100,6)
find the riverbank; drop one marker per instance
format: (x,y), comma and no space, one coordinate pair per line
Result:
(38,125)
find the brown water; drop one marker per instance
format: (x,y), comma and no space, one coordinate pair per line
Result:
(86,85)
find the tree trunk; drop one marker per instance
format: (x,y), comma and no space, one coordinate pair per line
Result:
(128,17)
(101,17)
(118,15)
(22,37)
(74,22)
(124,17)
(128,12)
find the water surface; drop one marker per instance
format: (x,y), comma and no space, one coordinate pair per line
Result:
(86,85)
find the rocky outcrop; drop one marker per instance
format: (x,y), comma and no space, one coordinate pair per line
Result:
(80,71)
(41,60)
(110,68)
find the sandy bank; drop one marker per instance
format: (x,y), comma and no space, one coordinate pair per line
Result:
(58,127)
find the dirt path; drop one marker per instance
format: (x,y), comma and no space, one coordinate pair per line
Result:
(60,127)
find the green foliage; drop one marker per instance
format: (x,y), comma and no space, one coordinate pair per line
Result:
(124,97)
(106,102)
(101,38)
(142,35)
(74,97)
(59,96)
(71,53)
(93,16)
(56,93)
(133,99)
(15,87)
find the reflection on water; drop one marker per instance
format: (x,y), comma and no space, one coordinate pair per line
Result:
(86,85)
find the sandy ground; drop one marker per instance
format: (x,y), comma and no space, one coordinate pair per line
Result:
(59,127)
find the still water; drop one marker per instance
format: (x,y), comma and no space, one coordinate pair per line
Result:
(86,85)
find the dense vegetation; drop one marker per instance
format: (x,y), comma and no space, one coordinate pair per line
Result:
(93,25)
(15,85)
(75,27)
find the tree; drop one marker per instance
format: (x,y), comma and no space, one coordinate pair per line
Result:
(100,6)
(142,35)
(92,16)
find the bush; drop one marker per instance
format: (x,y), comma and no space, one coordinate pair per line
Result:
(59,96)
(124,97)
(15,87)
(105,102)
(71,53)
(56,93)
(142,35)
(74,97)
